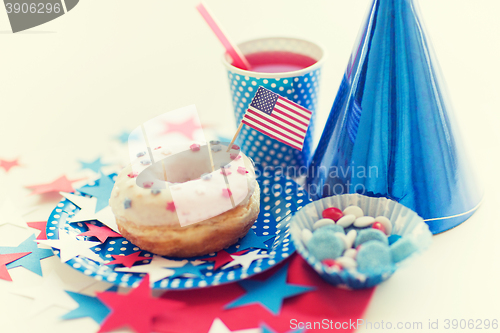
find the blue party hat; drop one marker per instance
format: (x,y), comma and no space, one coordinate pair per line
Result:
(391,130)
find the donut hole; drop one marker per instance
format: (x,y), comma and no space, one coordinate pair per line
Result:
(183,167)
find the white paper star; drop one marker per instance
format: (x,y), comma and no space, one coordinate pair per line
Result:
(70,247)
(87,211)
(219,327)
(50,292)
(245,260)
(157,268)
(11,214)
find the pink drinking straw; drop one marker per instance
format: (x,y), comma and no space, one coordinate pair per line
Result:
(239,59)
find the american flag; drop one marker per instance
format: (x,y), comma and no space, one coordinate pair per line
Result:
(278,117)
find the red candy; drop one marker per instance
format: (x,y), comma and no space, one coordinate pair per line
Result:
(235,147)
(133,174)
(225,172)
(332,213)
(159,147)
(378,226)
(331,263)
(147,184)
(194,147)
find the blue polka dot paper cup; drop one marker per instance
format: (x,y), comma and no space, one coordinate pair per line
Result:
(300,86)
(406,224)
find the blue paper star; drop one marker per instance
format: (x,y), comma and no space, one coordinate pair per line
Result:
(101,191)
(87,307)
(188,268)
(251,240)
(123,137)
(94,166)
(267,329)
(30,261)
(269,293)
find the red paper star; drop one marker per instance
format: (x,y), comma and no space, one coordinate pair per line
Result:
(222,258)
(326,301)
(127,261)
(171,206)
(102,233)
(7,259)
(8,164)
(42,226)
(61,184)
(135,309)
(188,127)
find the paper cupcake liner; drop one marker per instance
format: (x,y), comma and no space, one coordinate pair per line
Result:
(405,223)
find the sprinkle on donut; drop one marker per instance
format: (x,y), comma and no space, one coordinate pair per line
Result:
(194,147)
(127,203)
(141,154)
(155,191)
(242,170)
(206,176)
(226,193)
(133,174)
(147,184)
(146,162)
(225,172)
(170,206)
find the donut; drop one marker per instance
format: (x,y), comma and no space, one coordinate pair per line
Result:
(191,203)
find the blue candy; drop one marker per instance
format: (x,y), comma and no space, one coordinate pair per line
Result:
(393,239)
(324,244)
(206,176)
(402,249)
(216,148)
(370,234)
(155,191)
(374,257)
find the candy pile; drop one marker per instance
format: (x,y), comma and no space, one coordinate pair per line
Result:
(350,240)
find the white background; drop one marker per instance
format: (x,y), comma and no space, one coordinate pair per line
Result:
(69,86)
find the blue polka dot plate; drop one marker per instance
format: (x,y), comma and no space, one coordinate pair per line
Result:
(280,198)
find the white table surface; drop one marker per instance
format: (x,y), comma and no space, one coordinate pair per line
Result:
(67,87)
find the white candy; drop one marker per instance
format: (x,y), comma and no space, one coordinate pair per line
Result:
(364,221)
(351,237)
(321,223)
(347,262)
(344,239)
(386,223)
(346,220)
(354,210)
(351,253)
(306,236)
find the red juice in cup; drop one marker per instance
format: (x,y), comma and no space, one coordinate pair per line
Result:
(278,61)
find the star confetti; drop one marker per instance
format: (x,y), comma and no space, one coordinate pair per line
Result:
(135,309)
(42,226)
(158,268)
(87,211)
(269,293)
(220,259)
(88,306)
(187,128)
(219,327)
(7,165)
(188,270)
(50,292)
(205,304)
(123,137)
(245,260)
(8,258)
(101,233)
(101,191)
(11,214)
(31,261)
(61,184)
(128,260)
(95,166)
(70,247)
(251,240)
